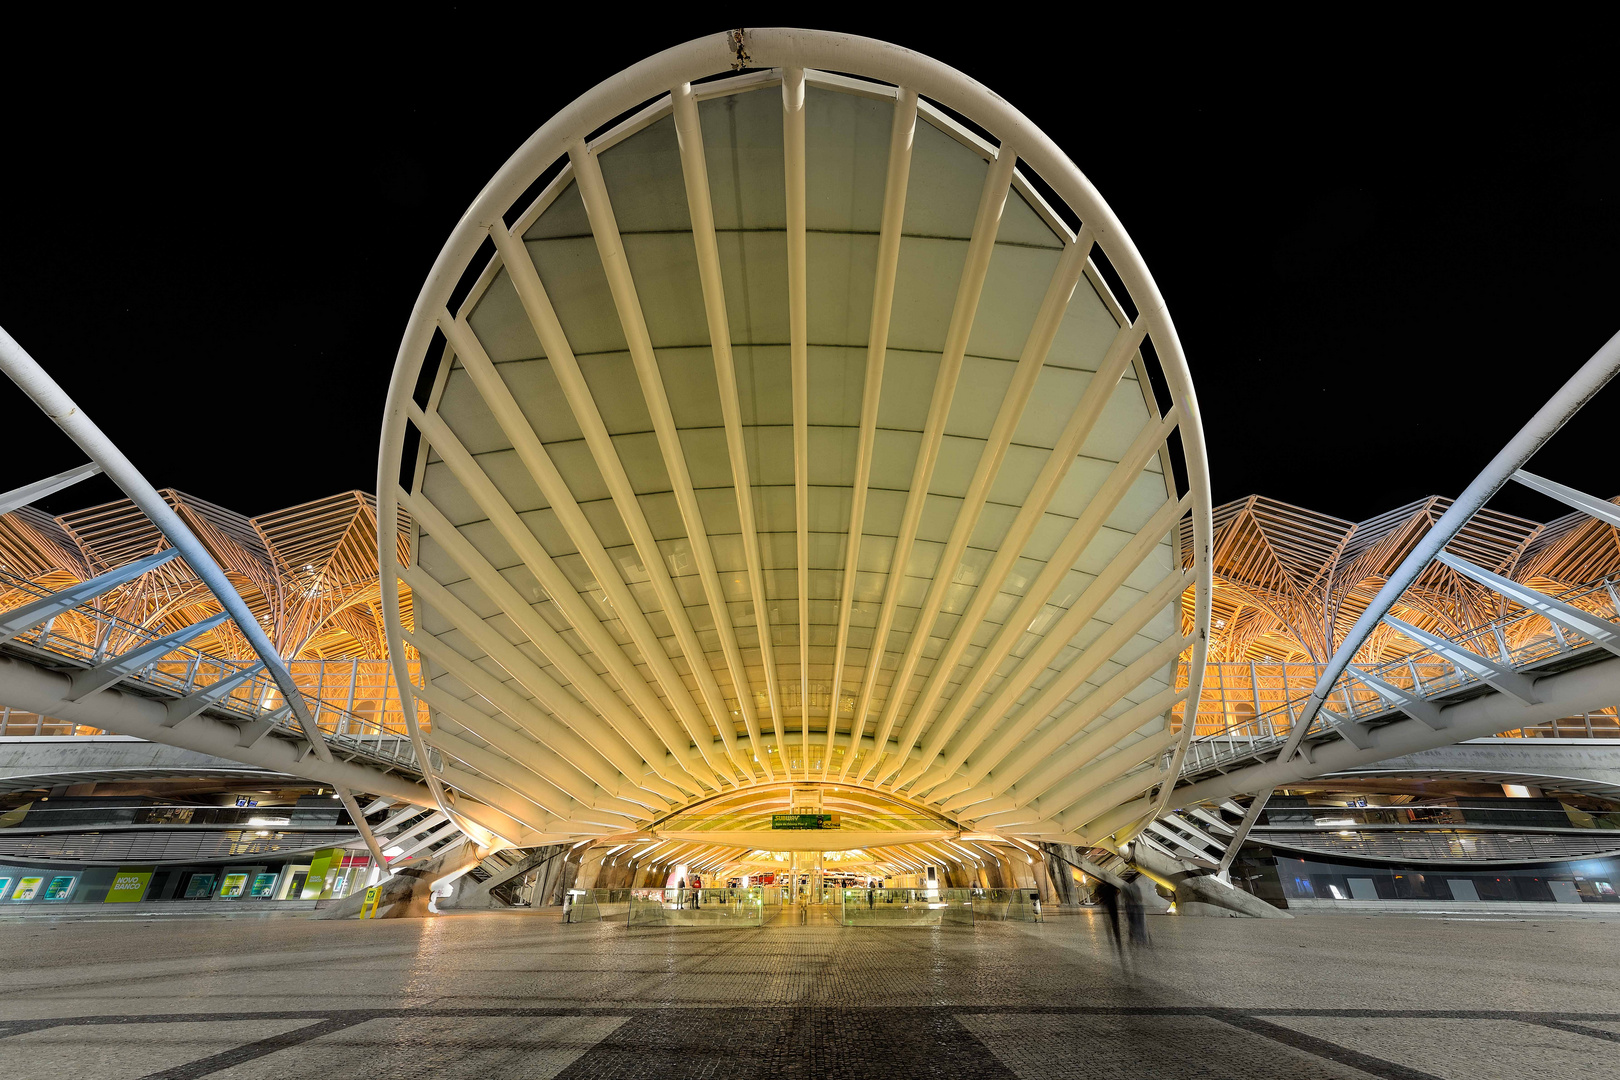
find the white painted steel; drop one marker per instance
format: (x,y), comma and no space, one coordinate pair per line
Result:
(30,493)
(44,391)
(1591,377)
(662,489)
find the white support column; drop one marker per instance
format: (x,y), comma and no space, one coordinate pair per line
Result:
(1079,427)
(701,210)
(1031,363)
(1256,806)
(976,267)
(793,108)
(991,716)
(901,132)
(542,686)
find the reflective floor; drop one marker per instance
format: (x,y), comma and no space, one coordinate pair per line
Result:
(526,996)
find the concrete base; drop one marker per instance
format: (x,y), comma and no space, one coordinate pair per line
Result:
(1205,895)
(1198,894)
(407,893)
(1203,910)
(404,896)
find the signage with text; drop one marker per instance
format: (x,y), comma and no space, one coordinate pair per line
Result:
(130,884)
(804,821)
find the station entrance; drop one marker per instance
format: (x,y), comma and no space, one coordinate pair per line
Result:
(809,855)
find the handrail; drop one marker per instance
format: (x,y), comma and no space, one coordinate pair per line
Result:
(348,732)
(1425,673)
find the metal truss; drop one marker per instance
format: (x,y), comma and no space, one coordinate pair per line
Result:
(1445,688)
(308,573)
(135,688)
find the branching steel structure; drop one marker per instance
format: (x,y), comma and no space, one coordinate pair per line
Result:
(1290,582)
(308,573)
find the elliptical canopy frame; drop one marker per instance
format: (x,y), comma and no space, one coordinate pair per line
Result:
(649,91)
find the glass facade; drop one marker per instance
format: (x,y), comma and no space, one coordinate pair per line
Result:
(1307,878)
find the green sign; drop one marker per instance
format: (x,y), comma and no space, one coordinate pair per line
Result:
(200,887)
(804,821)
(235,885)
(264,885)
(130,884)
(26,888)
(60,888)
(323,866)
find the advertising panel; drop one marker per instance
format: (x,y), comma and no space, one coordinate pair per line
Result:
(27,888)
(264,886)
(5,883)
(235,885)
(61,887)
(200,887)
(805,821)
(129,885)
(322,867)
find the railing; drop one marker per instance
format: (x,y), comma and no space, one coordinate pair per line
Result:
(595,905)
(185,669)
(907,907)
(36,816)
(1424,673)
(761,822)
(698,907)
(134,845)
(1487,817)
(1478,843)
(1006,905)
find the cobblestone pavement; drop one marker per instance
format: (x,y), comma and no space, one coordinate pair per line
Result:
(525,996)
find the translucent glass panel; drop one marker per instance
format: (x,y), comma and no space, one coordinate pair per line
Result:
(619,579)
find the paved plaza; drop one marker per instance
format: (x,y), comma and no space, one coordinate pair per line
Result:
(523,995)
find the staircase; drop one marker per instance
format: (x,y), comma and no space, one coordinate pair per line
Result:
(494,866)
(1197,836)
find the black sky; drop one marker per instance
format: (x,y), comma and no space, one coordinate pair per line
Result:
(1379,265)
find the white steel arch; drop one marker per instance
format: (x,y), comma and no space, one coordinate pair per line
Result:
(790,434)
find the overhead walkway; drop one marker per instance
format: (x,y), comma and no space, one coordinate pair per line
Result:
(70,633)
(1564,660)
(32,762)
(1581,628)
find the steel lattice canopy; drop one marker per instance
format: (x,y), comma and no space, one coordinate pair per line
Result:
(803,351)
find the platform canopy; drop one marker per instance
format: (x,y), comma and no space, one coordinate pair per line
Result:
(765,424)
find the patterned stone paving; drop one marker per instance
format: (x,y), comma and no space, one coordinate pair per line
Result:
(524,996)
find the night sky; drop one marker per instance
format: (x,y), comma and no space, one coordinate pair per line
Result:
(1379,267)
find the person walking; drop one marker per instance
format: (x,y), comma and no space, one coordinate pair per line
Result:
(1108,896)
(1136,910)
